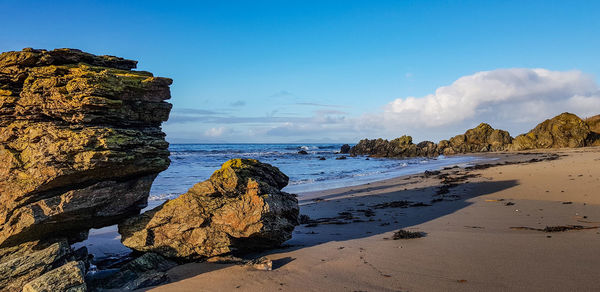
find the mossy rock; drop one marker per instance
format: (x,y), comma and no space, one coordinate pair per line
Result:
(563,131)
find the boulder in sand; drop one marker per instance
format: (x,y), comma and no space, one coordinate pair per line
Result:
(241,208)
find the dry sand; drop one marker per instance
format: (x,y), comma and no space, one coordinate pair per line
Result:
(469,243)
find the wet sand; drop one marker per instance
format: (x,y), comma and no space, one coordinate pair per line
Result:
(483,231)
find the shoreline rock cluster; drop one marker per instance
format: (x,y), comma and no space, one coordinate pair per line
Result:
(563,131)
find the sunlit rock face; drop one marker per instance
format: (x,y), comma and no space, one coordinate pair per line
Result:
(80,141)
(241,208)
(563,131)
(482,138)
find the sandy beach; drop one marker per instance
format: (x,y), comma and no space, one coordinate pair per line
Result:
(483,232)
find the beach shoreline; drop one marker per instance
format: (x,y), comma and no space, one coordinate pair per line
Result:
(352,249)
(105,243)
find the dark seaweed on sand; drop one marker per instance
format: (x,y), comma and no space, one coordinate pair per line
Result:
(405,234)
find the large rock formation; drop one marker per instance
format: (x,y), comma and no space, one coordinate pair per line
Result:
(482,138)
(80,141)
(240,208)
(562,131)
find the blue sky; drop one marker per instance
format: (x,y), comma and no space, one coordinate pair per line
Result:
(290,71)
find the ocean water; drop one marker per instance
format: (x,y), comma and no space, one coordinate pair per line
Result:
(193,163)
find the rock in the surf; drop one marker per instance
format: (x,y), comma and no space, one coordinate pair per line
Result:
(345,149)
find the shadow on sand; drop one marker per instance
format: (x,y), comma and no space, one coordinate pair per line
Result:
(361,223)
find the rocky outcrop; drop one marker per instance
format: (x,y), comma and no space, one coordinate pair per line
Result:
(240,208)
(399,147)
(482,138)
(37,263)
(80,141)
(69,277)
(562,131)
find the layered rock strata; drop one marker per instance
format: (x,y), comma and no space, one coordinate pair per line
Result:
(80,141)
(31,266)
(241,208)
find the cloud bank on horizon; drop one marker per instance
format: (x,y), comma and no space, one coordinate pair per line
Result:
(513,99)
(517,94)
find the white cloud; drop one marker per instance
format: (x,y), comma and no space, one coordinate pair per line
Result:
(216,132)
(503,96)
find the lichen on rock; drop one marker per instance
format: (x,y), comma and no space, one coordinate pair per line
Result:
(80,141)
(240,208)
